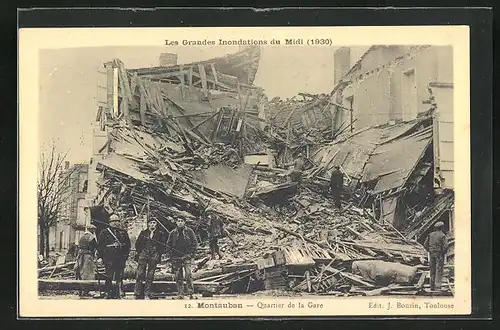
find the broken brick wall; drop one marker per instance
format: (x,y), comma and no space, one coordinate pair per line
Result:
(379,92)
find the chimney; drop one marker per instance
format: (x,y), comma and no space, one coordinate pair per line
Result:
(66,165)
(341,63)
(168,59)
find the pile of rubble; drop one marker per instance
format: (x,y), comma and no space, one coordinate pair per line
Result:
(302,245)
(177,150)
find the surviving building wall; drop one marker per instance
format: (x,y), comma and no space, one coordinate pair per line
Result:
(392,84)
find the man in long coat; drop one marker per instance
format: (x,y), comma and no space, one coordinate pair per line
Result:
(336,184)
(182,245)
(437,246)
(85,268)
(149,247)
(114,248)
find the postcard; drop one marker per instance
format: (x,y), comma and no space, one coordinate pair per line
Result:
(258,171)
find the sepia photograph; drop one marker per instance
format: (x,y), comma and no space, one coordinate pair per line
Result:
(235,174)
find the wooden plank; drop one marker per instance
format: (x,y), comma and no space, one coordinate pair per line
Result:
(378,292)
(308,279)
(144,87)
(355,233)
(161,100)
(366,226)
(214,73)
(355,279)
(203,76)
(229,88)
(219,121)
(205,120)
(421,281)
(299,236)
(154,96)
(182,76)
(133,83)
(386,249)
(122,92)
(190,76)
(126,82)
(142,109)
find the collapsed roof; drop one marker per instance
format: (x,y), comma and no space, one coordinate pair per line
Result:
(375,154)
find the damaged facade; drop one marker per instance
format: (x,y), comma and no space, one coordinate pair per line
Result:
(397,100)
(72,220)
(182,140)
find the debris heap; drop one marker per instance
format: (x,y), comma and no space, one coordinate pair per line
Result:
(190,139)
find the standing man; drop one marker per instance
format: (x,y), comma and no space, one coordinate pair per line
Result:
(216,230)
(298,167)
(149,247)
(114,248)
(437,246)
(336,184)
(85,268)
(182,246)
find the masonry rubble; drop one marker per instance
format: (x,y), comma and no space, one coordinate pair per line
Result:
(189,139)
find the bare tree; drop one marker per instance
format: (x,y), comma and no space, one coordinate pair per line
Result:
(52,187)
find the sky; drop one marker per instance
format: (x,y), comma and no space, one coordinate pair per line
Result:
(69,81)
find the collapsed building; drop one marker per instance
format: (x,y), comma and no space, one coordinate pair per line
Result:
(183,140)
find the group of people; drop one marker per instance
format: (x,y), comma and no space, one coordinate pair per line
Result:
(113,247)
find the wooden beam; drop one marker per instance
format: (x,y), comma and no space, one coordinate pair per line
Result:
(207,119)
(142,109)
(126,82)
(421,281)
(203,76)
(133,84)
(182,74)
(211,81)
(219,121)
(214,73)
(190,76)
(172,74)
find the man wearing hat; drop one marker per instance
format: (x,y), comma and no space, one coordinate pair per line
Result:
(182,245)
(336,184)
(437,246)
(114,248)
(85,268)
(149,247)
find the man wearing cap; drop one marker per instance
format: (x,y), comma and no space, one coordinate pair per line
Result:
(149,247)
(182,245)
(85,268)
(336,184)
(437,246)
(114,248)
